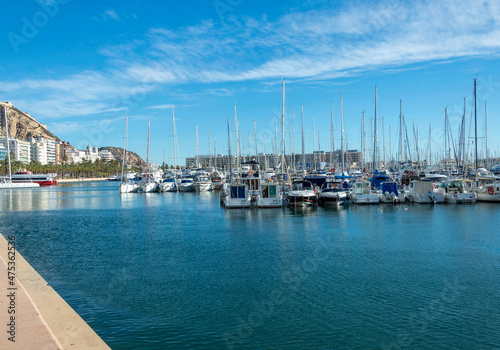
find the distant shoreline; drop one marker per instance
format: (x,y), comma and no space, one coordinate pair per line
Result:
(82,179)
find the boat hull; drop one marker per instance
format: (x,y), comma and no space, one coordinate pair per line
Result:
(365,199)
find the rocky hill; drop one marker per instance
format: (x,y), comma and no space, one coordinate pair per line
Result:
(22,126)
(132,158)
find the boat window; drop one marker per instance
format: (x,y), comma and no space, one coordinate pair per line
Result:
(272,191)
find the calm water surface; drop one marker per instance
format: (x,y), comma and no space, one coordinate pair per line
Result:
(177,271)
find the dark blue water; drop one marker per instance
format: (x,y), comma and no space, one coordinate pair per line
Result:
(177,271)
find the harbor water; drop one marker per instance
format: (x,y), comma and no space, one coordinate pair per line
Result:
(177,271)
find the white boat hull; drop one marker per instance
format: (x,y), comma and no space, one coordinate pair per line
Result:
(362,198)
(460,197)
(167,187)
(332,198)
(237,203)
(202,187)
(15,185)
(186,188)
(149,187)
(391,198)
(269,202)
(128,187)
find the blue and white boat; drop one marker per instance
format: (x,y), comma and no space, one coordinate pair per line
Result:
(389,193)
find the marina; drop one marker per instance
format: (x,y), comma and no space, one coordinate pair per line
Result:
(145,272)
(285,175)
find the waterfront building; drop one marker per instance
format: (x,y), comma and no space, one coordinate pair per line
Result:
(20,149)
(106,155)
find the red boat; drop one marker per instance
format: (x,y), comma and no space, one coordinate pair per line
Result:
(41,179)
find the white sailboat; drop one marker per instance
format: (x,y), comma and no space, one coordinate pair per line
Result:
(148,183)
(6,182)
(126,185)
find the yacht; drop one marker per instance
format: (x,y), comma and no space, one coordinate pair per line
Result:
(332,193)
(203,184)
(488,191)
(168,185)
(186,185)
(455,191)
(363,194)
(302,192)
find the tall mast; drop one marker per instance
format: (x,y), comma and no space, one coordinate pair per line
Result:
(400,155)
(342,133)
(314,144)
(229,147)
(283,130)
(175,143)
(147,155)
(475,122)
(331,134)
(383,142)
(215,151)
(276,143)
(486,135)
(8,142)
(209,150)
(293,132)
(375,135)
(363,135)
(124,160)
(303,141)
(463,138)
(237,139)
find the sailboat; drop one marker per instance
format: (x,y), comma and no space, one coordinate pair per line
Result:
(170,183)
(126,185)
(6,182)
(149,184)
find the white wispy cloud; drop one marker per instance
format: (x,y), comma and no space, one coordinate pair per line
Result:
(310,45)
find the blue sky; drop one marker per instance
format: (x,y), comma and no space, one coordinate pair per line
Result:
(81,67)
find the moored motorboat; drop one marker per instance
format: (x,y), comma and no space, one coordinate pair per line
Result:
(332,193)
(301,193)
(237,196)
(269,195)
